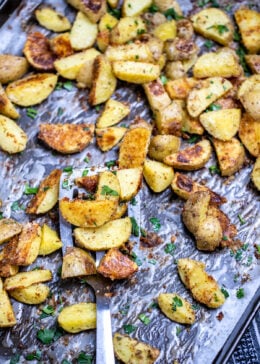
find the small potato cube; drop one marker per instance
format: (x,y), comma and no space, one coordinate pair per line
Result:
(166,31)
(136,72)
(249,134)
(176,308)
(157,175)
(157,96)
(93,10)
(248,22)
(107,138)
(169,119)
(107,22)
(12,138)
(113,112)
(163,145)
(7,270)
(83,32)
(33,295)
(8,229)
(52,20)
(180,88)
(127,29)
(77,263)
(138,52)
(78,317)
(249,95)
(50,241)
(130,180)
(135,8)
(7,317)
(256,174)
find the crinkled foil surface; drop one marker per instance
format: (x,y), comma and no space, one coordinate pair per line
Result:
(196,344)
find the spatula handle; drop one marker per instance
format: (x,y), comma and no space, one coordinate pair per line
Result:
(104,346)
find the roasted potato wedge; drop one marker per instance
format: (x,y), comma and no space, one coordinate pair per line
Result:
(107,138)
(111,235)
(165,31)
(230,155)
(6,107)
(76,263)
(103,39)
(47,195)
(12,138)
(191,158)
(137,52)
(157,96)
(66,138)
(132,351)
(115,265)
(8,229)
(78,317)
(108,187)
(130,181)
(87,213)
(107,22)
(7,270)
(134,147)
(249,133)
(256,174)
(31,90)
(163,145)
(127,29)
(158,176)
(50,241)
(176,308)
(52,20)
(180,88)
(33,295)
(113,112)
(103,82)
(12,67)
(120,211)
(205,93)
(85,75)
(249,94)
(136,72)
(7,317)
(88,182)
(26,279)
(248,22)
(222,124)
(135,8)
(83,25)
(203,287)
(93,10)
(61,46)
(169,119)
(253,61)
(214,24)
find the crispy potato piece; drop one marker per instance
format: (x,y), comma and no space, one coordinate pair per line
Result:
(68,67)
(134,147)
(61,46)
(248,22)
(50,241)
(76,263)
(136,72)
(12,67)
(191,158)
(7,317)
(180,88)
(127,29)
(155,45)
(158,176)
(225,62)
(107,22)
(113,112)
(166,30)
(253,61)
(78,317)
(176,308)
(229,230)
(205,93)
(214,24)
(108,187)
(169,119)
(249,133)
(256,174)
(88,182)
(111,235)
(93,9)
(184,186)
(52,20)
(47,195)
(115,265)
(7,270)
(12,138)
(107,138)
(191,125)
(24,249)
(164,5)
(130,181)
(174,70)
(163,145)
(38,52)
(31,90)
(157,96)
(222,124)
(87,213)
(67,138)
(249,94)
(203,287)
(6,107)
(138,52)
(180,49)
(230,155)
(8,229)
(120,211)
(103,82)
(135,8)
(83,25)
(103,39)
(33,295)
(85,74)
(26,279)
(132,351)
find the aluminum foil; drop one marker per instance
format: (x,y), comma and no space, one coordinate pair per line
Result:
(157,272)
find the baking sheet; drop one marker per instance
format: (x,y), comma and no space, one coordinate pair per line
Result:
(196,344)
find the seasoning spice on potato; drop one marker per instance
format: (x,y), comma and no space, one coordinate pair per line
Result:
(77,263)
(78,317)
(12,67)
(12,138)
(8,229)
(7,317)
(176,308)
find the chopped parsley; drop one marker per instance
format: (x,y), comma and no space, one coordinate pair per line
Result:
(214,107)
(68,169)
(107,191)
(176,302)
(241,52)
(115,12)
(170,248)
(164,79)
(214,170)
(193,139)
(128,329)
(65,361)
(46,336)
(65,184)
(136,259)
(97,108)
(214,3)
(240,293)
(110,164)
(152,261)
(140,31)
(85,173)
(224,237)
(156,223)
(221,28)
(124,309)
(16,206)
(15,359)
(1,215)
(84,358)
(225,292)
(249,261)
(241,220)
(36,355)
(86,160)
(172,14)
(68,85)
(133,201)
(31,112)
(257,248)
(60,111)
(47,311)
(209,96)
(143,232)
(153,8)
(237,36)
(30,190)
(142,317)
(135,227)
(195,307)
(178,330)
(209,44)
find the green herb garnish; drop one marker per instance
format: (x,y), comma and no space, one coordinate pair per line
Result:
(140,31)
(214,107)
(214,170)
(164,79)
(16,206)
(136,259)
(15,359)
(193,139)
(84,358)
(142,317)
(172,14)
(152,261)
(68,85)
(241,220)
(209,44)
(128,329)
(153,8)
(110,164)
(240,293)
(135,227)
(176,302)
(133,201)
(31,112)
(156,223)
(85,173)
(225,292)
(30,190)
(115,12)
(170,248)
(47,311)
(36,355)
(68,169)
(107,191)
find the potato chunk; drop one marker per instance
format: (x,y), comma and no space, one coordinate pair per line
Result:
(136,72)
(78,317)
(157,96)
(50,241)
(6,269)
(7,317)
(138,52)
(12,67)
(33,295)
(26,279)
(256,174)
(253,61)
(130,180)
(61,46)
(76,263)
(176,308)
(127,29)
(135,8)
(248,22)
(83,32)
(107,138)
(163,145)
(52,20)
(230,155)
(12,138)
(158,176)
(113,112)
(249,95)
(203,287)
(169,119)
(6,107)
(94,10)
(249,133)
(8,229)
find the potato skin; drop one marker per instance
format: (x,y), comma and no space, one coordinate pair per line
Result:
(12,138)
(76,263)
(12,67)
(163,145)
(8,229)
(33,295)
(183,314)
(249,134)
(78,317)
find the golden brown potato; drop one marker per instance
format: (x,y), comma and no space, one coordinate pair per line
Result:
(78,317)
(108,138)
(180,49)
(107,22)
(6,107)
(249,95)
(31,90)
(47,195)
(136,72)
(76,263)
(158,176)
(249,133)
(169,119)
(102,40)
(157,96)
(8,229)
(256,174)
(189,124)
(203,287)
(60,45)
(7,270)
(135,8)
(111,235)
(85,74)
(50,241)
(191,158)
(132,351)
(164,5)
(248,22)
(66,138)
(115,265)
(163,145)
(26,279)
(93,9)
(165,31)
(130,180)
(83,25)
(180,88)
(87,213)
(12,67)
(113,112)
(120,211)
(176,308)
(127,29)
(113,3)
(253,61)
(12,138)
(108,187)
(52,20)
(7,317)
(138,52)
(229,230)
(230,155)
(33,295)
(88,182)
(134,147)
